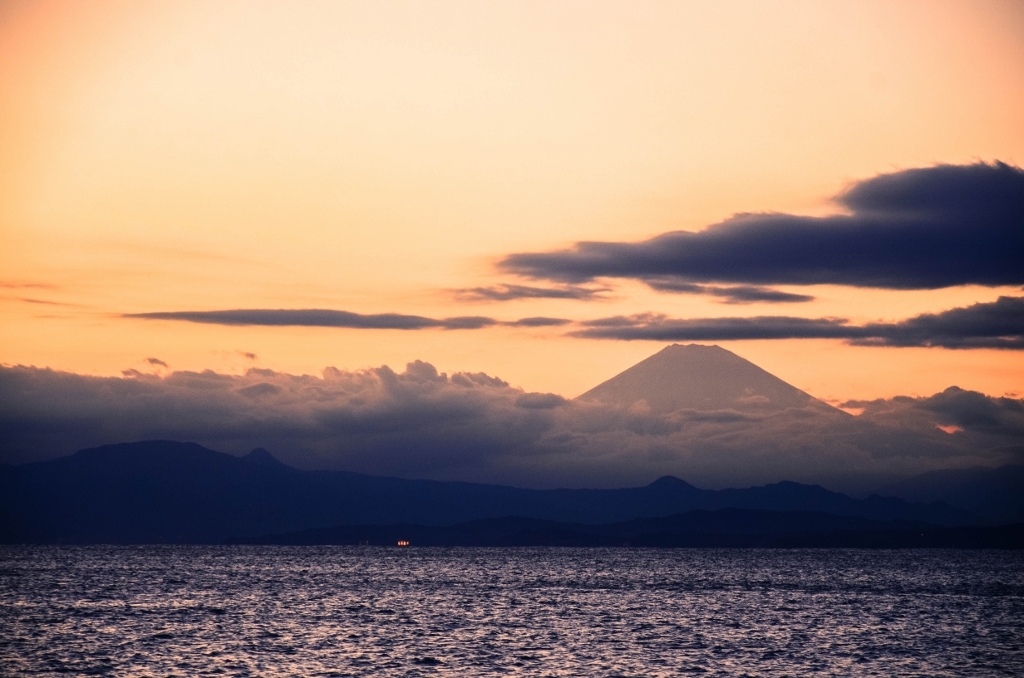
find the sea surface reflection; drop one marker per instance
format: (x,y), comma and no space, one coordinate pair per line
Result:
(343,611)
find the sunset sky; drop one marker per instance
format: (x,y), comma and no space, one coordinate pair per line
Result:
(408,157)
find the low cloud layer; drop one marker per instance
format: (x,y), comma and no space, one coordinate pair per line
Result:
(470,426)
(916,229)
(998,324)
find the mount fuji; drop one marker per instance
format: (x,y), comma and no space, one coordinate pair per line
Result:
(701,378)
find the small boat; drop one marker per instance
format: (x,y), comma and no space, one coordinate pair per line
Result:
(403,543)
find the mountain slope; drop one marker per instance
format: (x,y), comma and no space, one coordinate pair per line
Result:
(164,491)
(703,378)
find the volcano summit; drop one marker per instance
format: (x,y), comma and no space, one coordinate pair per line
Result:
(700,378)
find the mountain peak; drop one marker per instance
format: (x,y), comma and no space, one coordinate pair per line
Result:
(703,378)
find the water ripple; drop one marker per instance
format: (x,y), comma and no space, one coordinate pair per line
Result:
(355,611)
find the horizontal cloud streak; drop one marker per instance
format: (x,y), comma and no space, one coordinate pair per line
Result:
(539,321)
(738,294)
(649,326)
(916,229)
(512,292)
(999,324)
(318,317)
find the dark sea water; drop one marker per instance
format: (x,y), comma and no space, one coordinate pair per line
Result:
(341,611)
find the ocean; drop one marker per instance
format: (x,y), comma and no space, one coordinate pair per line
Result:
(372,611)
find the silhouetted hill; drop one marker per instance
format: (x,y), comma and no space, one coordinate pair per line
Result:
(996,494)
(722,528)
(171,492)
(702,378)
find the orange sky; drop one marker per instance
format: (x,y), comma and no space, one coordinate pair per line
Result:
(373,157)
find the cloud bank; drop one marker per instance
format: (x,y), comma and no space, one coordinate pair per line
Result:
(470,426)
(916,229)
(998,324)
(956,408)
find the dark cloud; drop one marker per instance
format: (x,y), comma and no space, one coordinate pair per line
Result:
(469,322)
(511,292)
(319,317)
(539,321)
(316,317)
(472,426)
(156,361)
(1000,420)
(737,294)
(975,411)
(998,324)
(915,229)
(657,327)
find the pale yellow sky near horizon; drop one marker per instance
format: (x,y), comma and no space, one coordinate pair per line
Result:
(372,157)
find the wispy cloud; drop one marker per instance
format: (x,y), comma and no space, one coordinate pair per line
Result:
(736,294)
(512,292)
(998,324)
(40,302)
(539,321)
(318,317)
(916,229)
(659,327)
(15,285)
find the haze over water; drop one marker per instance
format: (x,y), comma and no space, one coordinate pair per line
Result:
(347,611)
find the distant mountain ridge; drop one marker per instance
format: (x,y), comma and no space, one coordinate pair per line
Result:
(702,378)
(172,492)
(996,494)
